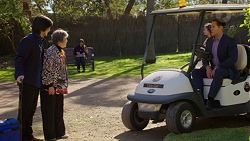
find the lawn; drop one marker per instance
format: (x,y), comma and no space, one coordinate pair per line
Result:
(128,66)
(220,134)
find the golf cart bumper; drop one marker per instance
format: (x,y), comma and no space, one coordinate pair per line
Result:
(152,106)
(162,99)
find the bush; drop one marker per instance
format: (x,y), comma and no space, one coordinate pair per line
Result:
(246,21)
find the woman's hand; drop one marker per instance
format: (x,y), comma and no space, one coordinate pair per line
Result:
(51,90)
(209,72)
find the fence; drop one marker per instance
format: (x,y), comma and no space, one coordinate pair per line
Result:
(127,36)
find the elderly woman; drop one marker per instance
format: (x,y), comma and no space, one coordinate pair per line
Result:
(55,83)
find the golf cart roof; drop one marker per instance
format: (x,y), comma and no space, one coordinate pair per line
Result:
(195,9)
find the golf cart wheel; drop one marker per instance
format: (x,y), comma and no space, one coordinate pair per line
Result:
(130,117)
(180,118)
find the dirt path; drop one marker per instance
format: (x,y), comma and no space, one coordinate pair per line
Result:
(93,109)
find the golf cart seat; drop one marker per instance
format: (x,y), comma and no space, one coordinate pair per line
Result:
(240,64)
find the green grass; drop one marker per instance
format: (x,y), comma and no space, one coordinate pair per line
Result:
(219,134)
(128,66)
(7,74)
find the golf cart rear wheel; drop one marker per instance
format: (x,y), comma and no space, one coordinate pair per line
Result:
(130,117)
(180,117)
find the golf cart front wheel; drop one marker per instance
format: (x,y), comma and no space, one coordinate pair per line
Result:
(180,118)
(130,117)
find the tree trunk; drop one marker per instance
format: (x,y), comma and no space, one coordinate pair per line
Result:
(224,1)
(150,58)
(26,9)
(129,7)
(109,14)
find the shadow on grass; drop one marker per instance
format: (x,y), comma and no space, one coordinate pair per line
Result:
(153,134)
(202,124)
(220,122)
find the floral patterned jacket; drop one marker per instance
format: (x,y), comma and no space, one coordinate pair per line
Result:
(54,71)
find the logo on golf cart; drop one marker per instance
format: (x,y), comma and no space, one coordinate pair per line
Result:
(151,91)
(158,78)
(247,87)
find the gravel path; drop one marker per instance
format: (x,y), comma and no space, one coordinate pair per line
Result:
(93,112)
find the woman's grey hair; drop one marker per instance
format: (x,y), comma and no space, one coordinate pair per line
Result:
(58,35)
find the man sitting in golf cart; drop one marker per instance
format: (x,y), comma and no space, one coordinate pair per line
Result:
(222,65)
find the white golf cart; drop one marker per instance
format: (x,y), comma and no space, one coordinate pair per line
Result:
(169,94)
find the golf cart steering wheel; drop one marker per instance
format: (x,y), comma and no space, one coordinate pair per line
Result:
(201,53)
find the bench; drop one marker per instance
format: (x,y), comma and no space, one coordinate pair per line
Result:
(70,57)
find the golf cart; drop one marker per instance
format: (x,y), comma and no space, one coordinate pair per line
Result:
(169,94)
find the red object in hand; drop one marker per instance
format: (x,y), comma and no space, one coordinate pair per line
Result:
(62,91)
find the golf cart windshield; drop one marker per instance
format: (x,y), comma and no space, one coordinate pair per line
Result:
(199,10)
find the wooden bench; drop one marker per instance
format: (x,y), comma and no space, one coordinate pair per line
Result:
(70,57)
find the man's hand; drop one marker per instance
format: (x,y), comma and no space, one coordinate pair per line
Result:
(77,53)
(209,72)
(20,79)
(51,91)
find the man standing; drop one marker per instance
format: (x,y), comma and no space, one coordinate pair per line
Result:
(28,69)
(224,51)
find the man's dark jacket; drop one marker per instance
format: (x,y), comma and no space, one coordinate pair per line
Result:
(227,54)
(28,60)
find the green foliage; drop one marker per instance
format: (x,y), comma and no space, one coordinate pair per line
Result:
(221,134)
(246,22)
(166,4)
(232,30)
(11,12)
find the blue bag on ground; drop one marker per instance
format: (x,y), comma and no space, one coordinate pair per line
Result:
(9,130)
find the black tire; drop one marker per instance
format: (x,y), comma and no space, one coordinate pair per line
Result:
(180,118)
(130,117)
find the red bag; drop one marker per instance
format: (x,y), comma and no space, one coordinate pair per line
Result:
(62,90)
(62,86)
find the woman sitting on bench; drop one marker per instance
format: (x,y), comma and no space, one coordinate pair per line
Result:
(80,51)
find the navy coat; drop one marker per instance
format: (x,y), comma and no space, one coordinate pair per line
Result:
(227,54)
(28,60)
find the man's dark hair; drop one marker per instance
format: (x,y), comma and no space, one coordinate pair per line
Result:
(41,23)
(220,22)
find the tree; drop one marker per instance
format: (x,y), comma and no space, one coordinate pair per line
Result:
(26,9)
(11,15)
(129,7)
(165,4)
(150,56)
(246,22)
(224,1)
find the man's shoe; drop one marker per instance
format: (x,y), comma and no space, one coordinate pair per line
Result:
(62,137)
(83,70)
(51,139)
(209,105)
